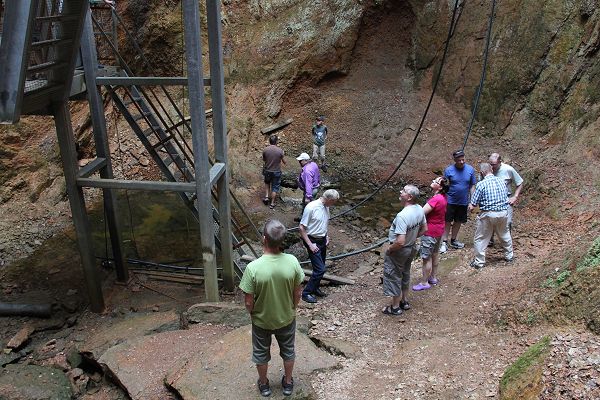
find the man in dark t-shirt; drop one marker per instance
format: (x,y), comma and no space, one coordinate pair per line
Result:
(273,159)
(319,134)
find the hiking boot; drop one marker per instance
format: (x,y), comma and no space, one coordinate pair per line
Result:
(264,388)
(443,247)
(288,388)
(476,266)
(456,244)
(309,298)
(320,293)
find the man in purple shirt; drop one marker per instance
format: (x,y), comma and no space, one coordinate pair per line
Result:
(309,179)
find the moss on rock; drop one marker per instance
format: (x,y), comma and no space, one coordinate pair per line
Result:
(523,379)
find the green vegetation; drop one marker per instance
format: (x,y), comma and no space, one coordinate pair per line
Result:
(522,379)
(592,258)
(556,281)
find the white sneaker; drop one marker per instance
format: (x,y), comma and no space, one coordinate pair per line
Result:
(443,248)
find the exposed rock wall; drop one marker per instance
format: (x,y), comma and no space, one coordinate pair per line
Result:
(542,72)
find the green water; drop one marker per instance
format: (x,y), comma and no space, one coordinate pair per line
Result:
(385,204)
(155,226)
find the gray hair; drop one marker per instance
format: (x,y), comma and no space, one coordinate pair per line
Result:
(495,157)
(413,191)
(485,168)
(331,194)
(274,232)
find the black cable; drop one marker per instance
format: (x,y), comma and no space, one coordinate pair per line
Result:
(482,79)
(353,253)
(473,115)
(437,79)
(133,241)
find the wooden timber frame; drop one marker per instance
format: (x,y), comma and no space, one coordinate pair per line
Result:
(205,176)
(54,101)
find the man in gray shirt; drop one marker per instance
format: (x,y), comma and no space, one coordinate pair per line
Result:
(408,225)
(273,160)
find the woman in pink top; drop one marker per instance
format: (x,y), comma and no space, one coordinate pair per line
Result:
(435,212)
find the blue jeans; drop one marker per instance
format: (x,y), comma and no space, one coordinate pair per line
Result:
(318,263)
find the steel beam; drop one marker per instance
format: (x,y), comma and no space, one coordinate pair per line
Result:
(145,81)
(191,18)
(16,36)
(66,142)
(90,61)
(213,11)
(160,186)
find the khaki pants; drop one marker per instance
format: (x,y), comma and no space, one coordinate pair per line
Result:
(489,223)
(319,152)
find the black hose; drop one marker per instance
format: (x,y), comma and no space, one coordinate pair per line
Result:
(25,310)
(353,253)
(482,79)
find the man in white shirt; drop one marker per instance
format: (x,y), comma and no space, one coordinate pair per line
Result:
(313,230)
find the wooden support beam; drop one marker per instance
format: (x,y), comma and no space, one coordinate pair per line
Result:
(159,186)
(92,167)
(332,278)
(145,81)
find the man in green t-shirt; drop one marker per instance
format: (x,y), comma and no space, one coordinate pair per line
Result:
(272,291)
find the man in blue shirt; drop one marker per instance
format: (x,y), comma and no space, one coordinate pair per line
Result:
(490,194)
(461,181)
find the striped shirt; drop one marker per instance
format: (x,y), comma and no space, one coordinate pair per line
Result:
(490,194)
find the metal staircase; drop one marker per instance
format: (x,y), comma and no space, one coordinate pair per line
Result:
(36,59)
(164,138)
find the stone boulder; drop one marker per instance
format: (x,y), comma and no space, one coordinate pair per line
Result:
(32,382)
(224,370)
(139,365)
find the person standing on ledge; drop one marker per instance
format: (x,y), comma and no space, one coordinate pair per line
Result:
(313,231)
(273,160)
(272,286)
(319,134)
(461,181)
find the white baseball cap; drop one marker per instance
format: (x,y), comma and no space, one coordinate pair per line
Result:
(303,157)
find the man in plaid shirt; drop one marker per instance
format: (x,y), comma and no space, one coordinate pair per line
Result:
(491,197)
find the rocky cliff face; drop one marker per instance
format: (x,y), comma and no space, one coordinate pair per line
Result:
(542,71)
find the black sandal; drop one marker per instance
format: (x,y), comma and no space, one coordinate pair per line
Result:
(389,310)
(404,305)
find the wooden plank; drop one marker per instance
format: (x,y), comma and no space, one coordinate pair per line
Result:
(332,278)
(277,126)
(170,276)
